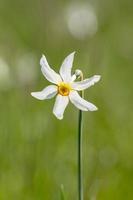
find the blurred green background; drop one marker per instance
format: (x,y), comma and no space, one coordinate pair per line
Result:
(38,153)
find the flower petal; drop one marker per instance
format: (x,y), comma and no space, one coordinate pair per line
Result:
(80,103)
(81,85)
(60,105)
(49,73)
(65,70)
(47,93)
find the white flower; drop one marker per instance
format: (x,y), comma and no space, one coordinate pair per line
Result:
(64,87)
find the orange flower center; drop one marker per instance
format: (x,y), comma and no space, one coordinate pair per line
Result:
(64,89)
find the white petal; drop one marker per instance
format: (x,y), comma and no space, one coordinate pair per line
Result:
(47,93)
(80,103)
(81,85)
(65,70)
(60,105)
(49,73)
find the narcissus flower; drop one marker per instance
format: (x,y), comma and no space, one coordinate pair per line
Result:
(64,87)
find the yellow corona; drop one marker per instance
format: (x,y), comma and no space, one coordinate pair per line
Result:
(64,89)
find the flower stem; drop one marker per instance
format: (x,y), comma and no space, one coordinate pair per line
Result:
(80,163)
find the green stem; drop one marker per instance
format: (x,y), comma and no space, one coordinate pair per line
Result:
(80,163)
(80,178)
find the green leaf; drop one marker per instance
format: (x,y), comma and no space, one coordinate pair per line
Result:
(62,196)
